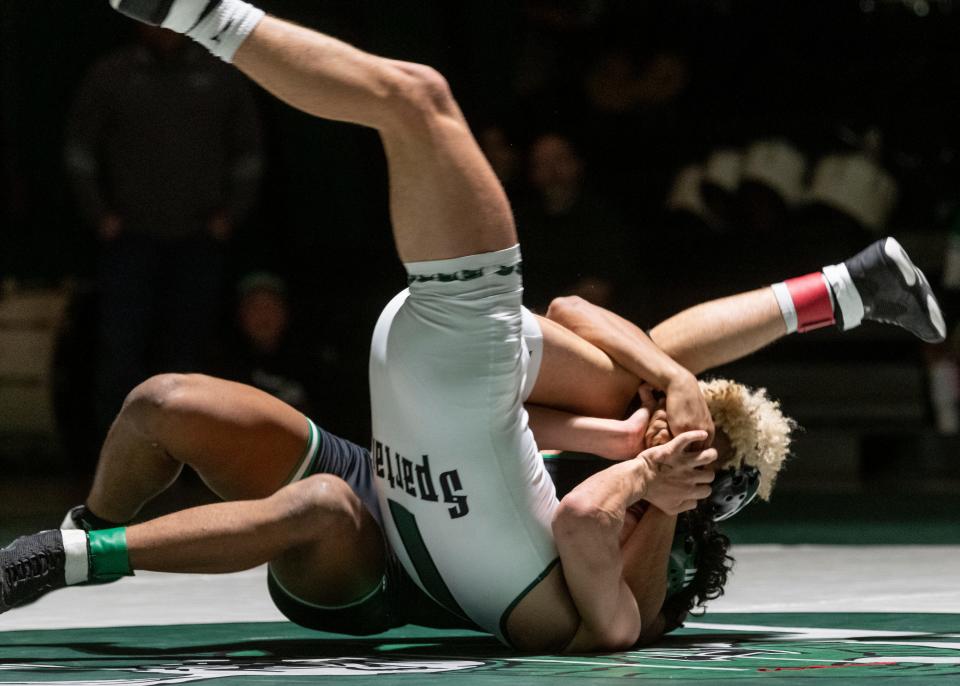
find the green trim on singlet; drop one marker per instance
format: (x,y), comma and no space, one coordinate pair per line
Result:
(313,438)
(427,571)
(523,594)
(466,274)
(572,455)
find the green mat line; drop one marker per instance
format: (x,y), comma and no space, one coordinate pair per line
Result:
(894,648)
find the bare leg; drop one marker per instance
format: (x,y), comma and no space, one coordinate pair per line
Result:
(322,542)
(242,442)
(721,331)
(445,201)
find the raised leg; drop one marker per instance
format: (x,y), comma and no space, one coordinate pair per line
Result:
(880,283)
(445,200)
(242,442)
(721,331)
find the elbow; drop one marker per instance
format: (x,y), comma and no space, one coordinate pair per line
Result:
(561,308)
(614,639)
(579,517)
(624,640)
(609,639)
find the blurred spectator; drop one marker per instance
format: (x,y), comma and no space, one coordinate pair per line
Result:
(574,240)
(260,352)
(163,149)
(616,85)
(557,32)
(635,127)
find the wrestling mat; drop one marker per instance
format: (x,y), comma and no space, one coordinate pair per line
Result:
(826,613)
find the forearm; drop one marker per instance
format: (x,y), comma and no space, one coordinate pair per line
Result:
(589,523)
(632,349)
(557,430)
(623,341)
(592,569)
(645,558)
(586,529)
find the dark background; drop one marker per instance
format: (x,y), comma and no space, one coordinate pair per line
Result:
(819,73)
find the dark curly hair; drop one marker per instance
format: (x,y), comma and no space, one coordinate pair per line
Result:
(713,566)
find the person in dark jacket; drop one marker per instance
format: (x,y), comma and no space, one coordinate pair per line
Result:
(163,179)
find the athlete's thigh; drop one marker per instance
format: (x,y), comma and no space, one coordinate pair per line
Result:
(345,559)
(576,376)
(243,443)
(445,200)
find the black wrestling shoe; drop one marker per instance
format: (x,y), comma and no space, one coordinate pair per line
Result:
(894,291)
(30,567)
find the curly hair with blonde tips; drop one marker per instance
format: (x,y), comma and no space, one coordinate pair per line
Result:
(759,432)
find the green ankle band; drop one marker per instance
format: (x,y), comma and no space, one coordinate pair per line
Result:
(108,554)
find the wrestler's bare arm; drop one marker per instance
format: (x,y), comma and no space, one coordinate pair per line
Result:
(632,349)
(701,337)
(577,376)
(587,529)
(614,439)
(626,343)
(645,554)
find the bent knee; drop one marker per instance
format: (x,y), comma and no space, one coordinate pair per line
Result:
(420,94)
(322,500)
(158,397)
(153,395)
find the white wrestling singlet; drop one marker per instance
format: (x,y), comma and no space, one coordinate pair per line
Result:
(466,501)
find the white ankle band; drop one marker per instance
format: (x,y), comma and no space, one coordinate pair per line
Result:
(787,308)
(226,27)
(845,294)
(76,567)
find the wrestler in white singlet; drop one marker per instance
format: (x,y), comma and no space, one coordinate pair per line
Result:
(465,498)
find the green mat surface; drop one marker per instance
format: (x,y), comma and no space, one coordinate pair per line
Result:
(728,648)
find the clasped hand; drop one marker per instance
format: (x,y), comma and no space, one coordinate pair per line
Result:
(686,407)
(675,473)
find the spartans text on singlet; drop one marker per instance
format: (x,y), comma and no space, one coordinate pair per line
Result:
(416,479)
